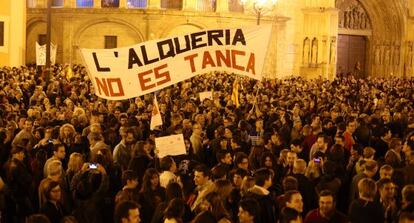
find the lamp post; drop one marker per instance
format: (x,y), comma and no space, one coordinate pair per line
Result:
(260,7)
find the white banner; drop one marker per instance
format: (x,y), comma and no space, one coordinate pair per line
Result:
(133,71)
(172,145)
(41,54)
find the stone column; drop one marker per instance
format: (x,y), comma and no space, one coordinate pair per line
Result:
(222,6)
(189,5)
(154,4)
(123,4)
(97,3)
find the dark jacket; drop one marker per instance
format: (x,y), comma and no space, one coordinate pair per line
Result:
(362,211)
(267,205)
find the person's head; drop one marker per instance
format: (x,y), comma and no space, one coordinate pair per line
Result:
(322,142)
(326,203)
(59,151)
(130,178)
(197,129)
(294,200)
(242,161)
(368,153)
(75,162)
(18,153)
(127,212)
(28,124)
(150,180)
(367,189)
(175,209)
(386,188)
(263,177)
(55,170)
(386,171)
(248,211)
(370,168)
(168,164)
(223,188)
(408,194)
(408,147)
(296,146)
(289,183)
(201,175)
(237,176)
(214,202)
(224,157)
(351,125)
(267,160)
(173,190)
(290,215)
(291,157)
(53,191)
(299,167)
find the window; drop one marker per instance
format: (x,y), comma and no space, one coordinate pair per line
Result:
(206,6)
(110,3)
(84,3)
(41,39)
(2,33)
(111,42)
(235,6)
(137,3)
(57,3)
(172,4)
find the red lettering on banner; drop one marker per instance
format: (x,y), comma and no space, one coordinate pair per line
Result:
(143,81)
(250,64)
(106,85)
(220,57)
(160,76)
(233,59)
(207,60)
(164,74)
(223,58)
(191,59)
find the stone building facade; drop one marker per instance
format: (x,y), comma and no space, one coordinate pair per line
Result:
(306,34)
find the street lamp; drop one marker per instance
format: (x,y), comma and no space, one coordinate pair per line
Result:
(260,7)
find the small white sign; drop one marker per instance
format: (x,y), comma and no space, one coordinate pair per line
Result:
(206,95)
(170,145)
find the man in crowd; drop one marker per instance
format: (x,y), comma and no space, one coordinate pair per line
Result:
(327,211)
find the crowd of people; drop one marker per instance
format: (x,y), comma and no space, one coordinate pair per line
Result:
(291,150)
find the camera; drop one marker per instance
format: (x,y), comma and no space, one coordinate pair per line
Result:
(93,166)
(317,160)
(50,141)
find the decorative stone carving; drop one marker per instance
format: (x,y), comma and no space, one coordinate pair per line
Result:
(352,15)
(314,58)
(306,51)
(332,51)
(409,59)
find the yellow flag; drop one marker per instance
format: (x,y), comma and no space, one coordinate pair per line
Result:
(235,93)
(69,73)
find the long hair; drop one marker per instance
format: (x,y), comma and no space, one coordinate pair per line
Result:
(146,182)
(217,206)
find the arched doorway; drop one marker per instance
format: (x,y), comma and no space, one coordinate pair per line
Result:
(354,29)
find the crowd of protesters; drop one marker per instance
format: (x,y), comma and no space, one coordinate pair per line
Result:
(292,150)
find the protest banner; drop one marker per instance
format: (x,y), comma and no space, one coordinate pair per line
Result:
(128,72)
(172,145)
(41,54)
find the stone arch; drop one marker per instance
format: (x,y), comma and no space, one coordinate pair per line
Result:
(90,35)
(91,23)
(34,27)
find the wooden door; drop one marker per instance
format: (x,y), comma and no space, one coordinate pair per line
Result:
(351,49)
